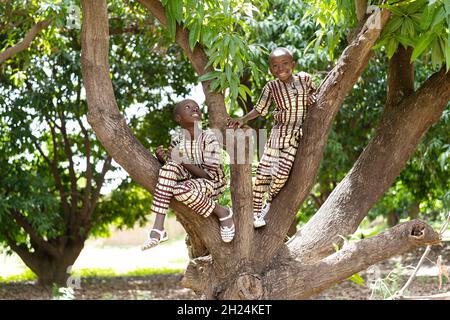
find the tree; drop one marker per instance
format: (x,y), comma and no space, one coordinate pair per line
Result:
(50,196)
(308,263)
(423,182)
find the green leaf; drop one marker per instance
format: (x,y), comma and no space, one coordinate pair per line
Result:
(394,24)
(405,41)
(436,55)
(356,278)
(177,10)
(439,16)
(422,44)
(316,46)
(228,72)
(194,34)
(209,76)
(391,47)
(427,17)
(242,93)
(447,56)
(233,47)
(214,85)
(393,9)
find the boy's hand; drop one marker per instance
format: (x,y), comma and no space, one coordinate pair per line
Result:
(235,123)
(161,154)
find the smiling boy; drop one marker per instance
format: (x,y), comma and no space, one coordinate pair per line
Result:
(192,173)
(292,95)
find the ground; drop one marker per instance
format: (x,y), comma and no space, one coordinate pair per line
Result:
(120,255)
(168,286)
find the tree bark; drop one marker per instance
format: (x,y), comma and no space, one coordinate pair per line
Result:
(395,140)
(257,264)
(297,280)
(400,82)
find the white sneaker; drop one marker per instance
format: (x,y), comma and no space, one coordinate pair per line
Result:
(259,221)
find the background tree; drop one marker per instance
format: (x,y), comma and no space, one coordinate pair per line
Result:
(50,196)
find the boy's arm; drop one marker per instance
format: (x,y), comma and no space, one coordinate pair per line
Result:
(261,109)
(196,171)
(161,154)
(184,161)
(239,122)
(311,89)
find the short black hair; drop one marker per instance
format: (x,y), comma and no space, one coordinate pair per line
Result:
(280,50)
(179,104)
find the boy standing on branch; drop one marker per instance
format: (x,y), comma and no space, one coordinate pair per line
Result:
(293,95)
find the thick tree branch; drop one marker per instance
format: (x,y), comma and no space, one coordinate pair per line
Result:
(39,241)
(331,94)
(400,80)
(99,184)
(69,154)
(395,140)
(199,59)
(112,130)
(89,166)
(26,42)
(21,249)
(58,182)
(297,280)
(361,9)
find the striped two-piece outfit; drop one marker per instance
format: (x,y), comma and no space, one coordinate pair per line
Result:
(175,181)
(291,104)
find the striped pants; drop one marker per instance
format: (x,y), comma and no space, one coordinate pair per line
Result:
(272,174)
(175,181)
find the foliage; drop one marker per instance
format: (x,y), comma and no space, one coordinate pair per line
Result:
(221,28)
(41,93)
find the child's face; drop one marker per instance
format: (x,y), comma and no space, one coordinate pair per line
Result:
(282,66)
(188,113)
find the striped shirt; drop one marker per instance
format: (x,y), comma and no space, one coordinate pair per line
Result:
(204,152)
(292,101)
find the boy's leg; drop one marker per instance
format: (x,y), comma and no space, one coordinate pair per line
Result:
(281,171)
(197,195)
(169,175)
(263,178)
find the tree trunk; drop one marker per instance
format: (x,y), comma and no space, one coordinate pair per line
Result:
(50,269)
(392,218)
(257,264)
(414,210)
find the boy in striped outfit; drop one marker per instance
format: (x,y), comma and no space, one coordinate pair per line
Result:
(192,172)
(292,94)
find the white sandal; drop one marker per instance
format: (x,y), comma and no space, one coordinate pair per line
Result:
(153,242)
(259,221)
(227,233)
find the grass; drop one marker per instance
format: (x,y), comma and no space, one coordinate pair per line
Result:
(28,275)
